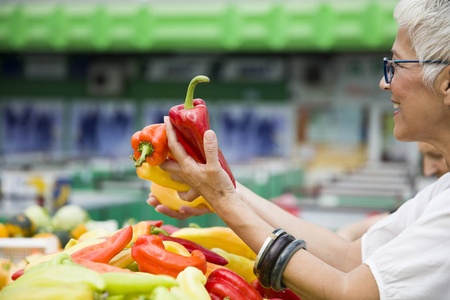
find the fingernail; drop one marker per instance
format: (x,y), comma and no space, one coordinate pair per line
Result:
(209,135)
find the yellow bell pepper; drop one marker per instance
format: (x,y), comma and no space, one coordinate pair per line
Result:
(72,242)
(176,248)
(157,175)
(217,237)
(94,234)
(123,259)
(192,282)
(239,264)
(170,198)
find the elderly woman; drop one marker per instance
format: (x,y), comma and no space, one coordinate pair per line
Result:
(403,256)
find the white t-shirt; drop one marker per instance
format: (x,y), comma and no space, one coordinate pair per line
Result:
(408,252)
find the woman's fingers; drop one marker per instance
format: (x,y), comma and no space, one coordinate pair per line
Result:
(172,167)
(211,148)
(172,213)
(190,195)
(194,211)
(177,149)
(152,200)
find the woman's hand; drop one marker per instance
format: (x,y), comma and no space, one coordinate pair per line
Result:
(209,180)
(183,212)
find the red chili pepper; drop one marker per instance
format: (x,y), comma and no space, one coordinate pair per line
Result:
(17,274)
(210,255)
(226,283)
(152,257)
(286,294)
(258,287)
(191,121)
(105,251)
(214,297)
(150,145)
(99,267)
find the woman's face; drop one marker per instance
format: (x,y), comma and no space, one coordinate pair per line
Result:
(418,112)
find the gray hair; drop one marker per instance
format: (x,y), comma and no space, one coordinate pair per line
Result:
(428,25)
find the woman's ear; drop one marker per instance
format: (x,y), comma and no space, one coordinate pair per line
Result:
(445,85)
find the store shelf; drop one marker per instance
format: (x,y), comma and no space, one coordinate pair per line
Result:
(176,26)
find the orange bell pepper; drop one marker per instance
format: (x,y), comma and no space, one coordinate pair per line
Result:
(150,145)
(143,227)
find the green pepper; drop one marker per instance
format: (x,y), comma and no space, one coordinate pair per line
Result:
(58,271)
(135,284)
(73,291)
(162,293)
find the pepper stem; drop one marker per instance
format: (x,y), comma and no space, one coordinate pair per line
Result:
(189,102)
(157,230)
(146,149)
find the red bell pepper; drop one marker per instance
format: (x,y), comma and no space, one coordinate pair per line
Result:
(285,294)
(210,255)
(150,145)
(152,257)
(226,283)
(105,251)
(191,121)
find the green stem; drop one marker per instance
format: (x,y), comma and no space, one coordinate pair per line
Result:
(189,102)
(156,230)
(146,149)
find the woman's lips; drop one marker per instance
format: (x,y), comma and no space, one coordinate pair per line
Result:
(397,107)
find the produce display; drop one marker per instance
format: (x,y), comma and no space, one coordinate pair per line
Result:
(67,222)
(145,260)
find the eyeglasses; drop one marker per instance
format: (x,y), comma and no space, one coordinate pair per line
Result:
(389,69)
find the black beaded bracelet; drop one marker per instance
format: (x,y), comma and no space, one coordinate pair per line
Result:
(281,263)
(265,247)
(271,257)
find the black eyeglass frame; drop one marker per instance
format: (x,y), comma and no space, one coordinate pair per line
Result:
(389,67)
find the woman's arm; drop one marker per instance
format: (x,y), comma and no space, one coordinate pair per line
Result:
(307,273)
(322,242)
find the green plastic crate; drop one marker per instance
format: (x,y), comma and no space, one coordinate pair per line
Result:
(175,26)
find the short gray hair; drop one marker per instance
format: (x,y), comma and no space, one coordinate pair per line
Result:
(428,25)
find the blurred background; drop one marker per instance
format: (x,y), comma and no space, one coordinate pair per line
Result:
(293,97)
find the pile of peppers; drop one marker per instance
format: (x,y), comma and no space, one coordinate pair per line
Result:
(191,121)
(144,261)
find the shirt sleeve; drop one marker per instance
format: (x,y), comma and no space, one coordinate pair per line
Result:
(415,264)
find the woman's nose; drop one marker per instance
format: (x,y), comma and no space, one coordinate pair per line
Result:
(383,85)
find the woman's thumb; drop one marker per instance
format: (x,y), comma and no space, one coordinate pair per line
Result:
(210,146)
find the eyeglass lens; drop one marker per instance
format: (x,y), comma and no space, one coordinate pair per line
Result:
(388,70)
(391,70)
